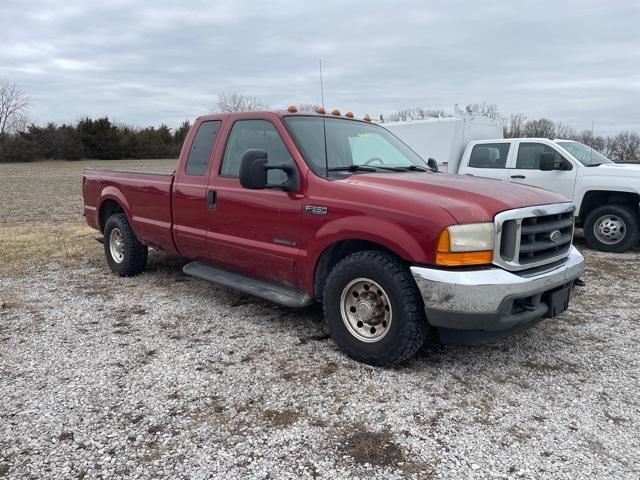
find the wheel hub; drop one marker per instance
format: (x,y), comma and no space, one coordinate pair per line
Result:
(366,310)
(116,245)
(609,229)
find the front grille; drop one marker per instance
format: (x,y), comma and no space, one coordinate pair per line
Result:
(531,237)
(535,240)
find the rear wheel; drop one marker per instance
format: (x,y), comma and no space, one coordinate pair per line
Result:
(373,309)
(126,256)
(612,228)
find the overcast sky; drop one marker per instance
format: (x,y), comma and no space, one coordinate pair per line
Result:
(153,62)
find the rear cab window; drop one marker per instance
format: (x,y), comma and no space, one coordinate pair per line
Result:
(489,155)
(202,147)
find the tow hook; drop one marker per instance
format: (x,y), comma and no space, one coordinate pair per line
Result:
(578,282)
(525,305)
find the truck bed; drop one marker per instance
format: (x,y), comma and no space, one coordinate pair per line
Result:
(145,197)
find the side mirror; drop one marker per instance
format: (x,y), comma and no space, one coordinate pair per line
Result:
(254,169)
(433,165)
(548,161)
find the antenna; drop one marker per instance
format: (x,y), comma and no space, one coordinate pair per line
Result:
(324,123)
(321,85)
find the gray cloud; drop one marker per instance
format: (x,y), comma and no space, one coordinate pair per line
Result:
(577,62)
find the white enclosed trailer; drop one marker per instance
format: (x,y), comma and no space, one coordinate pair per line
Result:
(444,139)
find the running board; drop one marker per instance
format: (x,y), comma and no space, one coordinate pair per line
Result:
(286,296)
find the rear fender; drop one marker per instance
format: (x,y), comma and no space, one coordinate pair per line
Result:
(114,194)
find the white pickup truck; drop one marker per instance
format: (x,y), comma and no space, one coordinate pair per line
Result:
(606,194)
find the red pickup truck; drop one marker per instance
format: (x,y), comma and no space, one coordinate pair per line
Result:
(302,207)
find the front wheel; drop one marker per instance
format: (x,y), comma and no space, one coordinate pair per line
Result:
(612,228)
(125,254)
(373,309)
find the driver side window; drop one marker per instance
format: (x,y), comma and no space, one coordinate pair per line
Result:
(529,155)
(250,134)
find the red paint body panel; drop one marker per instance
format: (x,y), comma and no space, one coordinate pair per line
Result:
(267,234)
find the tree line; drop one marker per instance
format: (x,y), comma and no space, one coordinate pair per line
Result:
(91,138)
(23,141)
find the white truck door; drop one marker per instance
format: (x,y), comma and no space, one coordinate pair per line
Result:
(526,169)
(487,160)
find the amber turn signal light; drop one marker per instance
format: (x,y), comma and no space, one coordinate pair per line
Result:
(446,258)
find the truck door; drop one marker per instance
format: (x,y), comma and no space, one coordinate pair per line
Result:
(189,204)
(254,231)
(487,160)
(527,169)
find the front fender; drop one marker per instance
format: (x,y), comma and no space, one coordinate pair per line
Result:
(414,246)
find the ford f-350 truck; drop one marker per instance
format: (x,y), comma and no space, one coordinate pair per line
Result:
(303,207)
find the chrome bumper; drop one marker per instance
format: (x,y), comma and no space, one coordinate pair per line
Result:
(484,299)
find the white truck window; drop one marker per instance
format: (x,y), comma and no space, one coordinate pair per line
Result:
(529,155)
(489,155)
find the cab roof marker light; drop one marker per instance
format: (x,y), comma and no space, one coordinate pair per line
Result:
(366,118)
(335,112)
(320,110)
(349,114)
(292,109)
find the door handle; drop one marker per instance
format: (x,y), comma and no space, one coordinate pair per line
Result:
(518,176)
(211,199)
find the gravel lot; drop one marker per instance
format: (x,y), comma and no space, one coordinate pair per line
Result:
(165,375)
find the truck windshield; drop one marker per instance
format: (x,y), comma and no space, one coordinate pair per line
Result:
(584,154)
(351,147)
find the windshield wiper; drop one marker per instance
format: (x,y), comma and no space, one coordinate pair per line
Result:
(416,168)
(393,169)
(353,168)
(594,165)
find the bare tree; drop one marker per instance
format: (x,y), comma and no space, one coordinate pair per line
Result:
(308,107)
(566,131)
(14,107)
(624,147)
(484,109)
(415,113)
(542,128)
(237,102)
(515,128)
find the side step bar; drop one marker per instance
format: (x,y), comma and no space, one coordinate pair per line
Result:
(286,296)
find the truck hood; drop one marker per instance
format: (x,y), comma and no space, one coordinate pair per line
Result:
(614,170)
(468,199)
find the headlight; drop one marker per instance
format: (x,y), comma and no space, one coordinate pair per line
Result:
(469,244)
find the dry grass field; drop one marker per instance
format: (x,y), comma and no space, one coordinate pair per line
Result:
(164,375)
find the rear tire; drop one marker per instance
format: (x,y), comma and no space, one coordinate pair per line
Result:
(373,308)
(126,256)
(612,228)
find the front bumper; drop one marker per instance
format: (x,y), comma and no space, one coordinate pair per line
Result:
(471,306)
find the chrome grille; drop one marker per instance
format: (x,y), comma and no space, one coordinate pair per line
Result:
(533,236)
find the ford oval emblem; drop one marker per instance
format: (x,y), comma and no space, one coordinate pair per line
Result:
(555,236)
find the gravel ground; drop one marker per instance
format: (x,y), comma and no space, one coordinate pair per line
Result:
(163,375)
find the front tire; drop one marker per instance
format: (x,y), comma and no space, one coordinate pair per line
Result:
(612,228)
(373,309)
(126,256)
